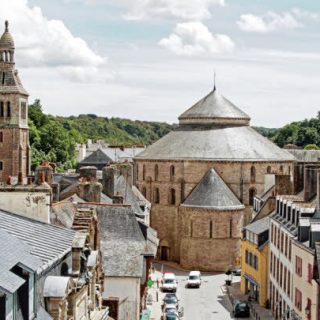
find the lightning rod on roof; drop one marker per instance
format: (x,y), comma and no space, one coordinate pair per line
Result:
(214,81)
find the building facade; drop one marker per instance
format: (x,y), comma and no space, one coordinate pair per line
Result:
(254,261)
(213,134)
(14,132)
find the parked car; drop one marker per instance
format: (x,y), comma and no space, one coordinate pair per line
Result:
(173,314)
(170,298)
(236,272)
(169,282)
(241,309)
(194,279)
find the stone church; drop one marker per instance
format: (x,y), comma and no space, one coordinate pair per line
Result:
(14,133)
(201,180)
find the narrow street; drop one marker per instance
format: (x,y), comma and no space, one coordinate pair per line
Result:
(209,302)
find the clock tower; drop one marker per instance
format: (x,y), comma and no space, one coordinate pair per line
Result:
(14,132)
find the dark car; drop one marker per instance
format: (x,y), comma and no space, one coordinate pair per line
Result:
(170,298)
(241,309)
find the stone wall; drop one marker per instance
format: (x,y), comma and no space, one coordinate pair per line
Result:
(209,240)
(187,174)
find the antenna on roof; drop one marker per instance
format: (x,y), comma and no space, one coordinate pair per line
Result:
(214,81)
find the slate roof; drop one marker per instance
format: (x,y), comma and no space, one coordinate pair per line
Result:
(259,226)
(48,243)
(122,187)
(96,157)
(122,242)
(231,143)
(14,251)
(214,106)
(212,193)
(199,137)
(305,155)
(151,237)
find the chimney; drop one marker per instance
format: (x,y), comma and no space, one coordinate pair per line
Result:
(41,178)
(117,199)
(89,191)
(89,173)
(20,178)
(283,184)
(108,181)
(46,171)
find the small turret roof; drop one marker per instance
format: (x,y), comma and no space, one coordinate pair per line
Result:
(212,193)
(214,108)
(6,40)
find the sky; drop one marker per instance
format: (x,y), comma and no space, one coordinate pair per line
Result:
(153,59)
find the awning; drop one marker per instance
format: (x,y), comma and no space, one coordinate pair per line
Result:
(251,280)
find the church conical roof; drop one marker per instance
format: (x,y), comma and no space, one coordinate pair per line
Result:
(214,129)
(6,40)
(214,108)
(212,193)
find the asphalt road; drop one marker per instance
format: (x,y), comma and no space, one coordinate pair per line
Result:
(206,303)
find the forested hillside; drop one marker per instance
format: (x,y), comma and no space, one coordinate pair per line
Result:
(54,138)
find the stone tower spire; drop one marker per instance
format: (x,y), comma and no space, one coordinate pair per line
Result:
(14,132)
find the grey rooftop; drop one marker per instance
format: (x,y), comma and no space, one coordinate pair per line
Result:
(212,107)
(214,143)
(122,242)
(212,193)
(48,243)
(259,226)
(14,252)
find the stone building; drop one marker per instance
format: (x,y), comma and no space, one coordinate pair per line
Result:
(14,132)
(213,145)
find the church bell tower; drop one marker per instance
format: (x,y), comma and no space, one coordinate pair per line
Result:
(14,132)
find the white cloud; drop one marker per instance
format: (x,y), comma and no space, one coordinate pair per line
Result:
(268,22)
(194,39)
(167,9)
(44,42)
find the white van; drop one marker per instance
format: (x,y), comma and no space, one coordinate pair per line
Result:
(169,282)
(194,279)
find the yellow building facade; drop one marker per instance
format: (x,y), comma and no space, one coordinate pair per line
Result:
(254,261)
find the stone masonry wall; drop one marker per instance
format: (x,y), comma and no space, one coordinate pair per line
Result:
(187,174)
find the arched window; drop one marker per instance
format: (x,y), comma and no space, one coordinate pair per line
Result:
(253,174)
(156,195)
(269,169)
(172,196)
(252,194)
(1,165)
(172,173)
(8,109)
(281,168)
(156,172)
(144,172)
(144,191)
(210,230)
(1,109)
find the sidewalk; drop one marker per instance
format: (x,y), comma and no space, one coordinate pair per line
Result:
(257,312)
(156,297)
